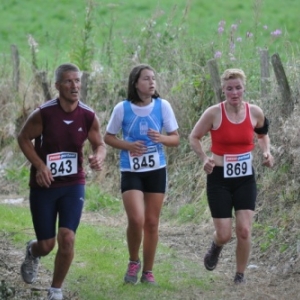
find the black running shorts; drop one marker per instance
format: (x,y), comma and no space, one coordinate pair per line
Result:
(147,182)
(226,194)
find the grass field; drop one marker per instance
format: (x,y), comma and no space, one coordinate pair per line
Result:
(101,258)
(56,24)
(118,30)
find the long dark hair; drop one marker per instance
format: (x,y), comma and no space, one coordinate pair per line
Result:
(134,76)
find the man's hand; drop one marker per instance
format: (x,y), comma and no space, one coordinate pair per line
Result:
(44,177)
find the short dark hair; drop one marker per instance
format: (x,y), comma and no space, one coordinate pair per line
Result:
(134,76)
(68,67)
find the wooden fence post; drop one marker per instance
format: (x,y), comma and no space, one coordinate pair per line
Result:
(284,88)
(42,79)
(16,66)
(215,79)
(84,85)
(264,73)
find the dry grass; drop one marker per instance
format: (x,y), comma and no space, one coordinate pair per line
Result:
(277,220)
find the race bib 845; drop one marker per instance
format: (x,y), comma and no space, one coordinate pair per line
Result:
(146,162)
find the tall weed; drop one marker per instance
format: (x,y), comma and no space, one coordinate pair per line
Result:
(183,77)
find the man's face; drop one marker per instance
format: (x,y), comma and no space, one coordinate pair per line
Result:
(69,86)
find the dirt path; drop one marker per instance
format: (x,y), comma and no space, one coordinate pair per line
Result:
(267,278)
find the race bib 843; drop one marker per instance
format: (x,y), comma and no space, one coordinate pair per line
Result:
(62,163)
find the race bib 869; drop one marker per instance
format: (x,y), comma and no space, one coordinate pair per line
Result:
(237,165)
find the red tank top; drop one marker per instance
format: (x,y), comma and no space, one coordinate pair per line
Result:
(232,138)
(63,132)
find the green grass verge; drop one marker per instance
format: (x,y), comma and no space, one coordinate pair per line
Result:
(101,259)
(55,24)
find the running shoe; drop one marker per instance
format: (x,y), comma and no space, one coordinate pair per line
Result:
(54,295)
(212,256)
(133,269)
(30,266)
(239,278)
(147,277)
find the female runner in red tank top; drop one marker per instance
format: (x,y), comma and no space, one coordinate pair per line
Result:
(231,181)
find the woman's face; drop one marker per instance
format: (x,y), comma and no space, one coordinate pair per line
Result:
(146,84)
(234,90)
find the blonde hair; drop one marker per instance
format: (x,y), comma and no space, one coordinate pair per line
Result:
(233,74)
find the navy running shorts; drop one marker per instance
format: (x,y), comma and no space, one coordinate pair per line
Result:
(226,194)
(46,205)
(147,182)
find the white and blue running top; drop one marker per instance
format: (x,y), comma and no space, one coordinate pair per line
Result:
(135,121)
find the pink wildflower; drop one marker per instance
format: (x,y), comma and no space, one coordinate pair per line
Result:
(276,33)
(222,23)
(234,27)
(218,54)
(232,47)
(220,30)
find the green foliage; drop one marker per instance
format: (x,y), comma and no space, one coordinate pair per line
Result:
(283,247)
(18,176)
(6,292)
(106,251)
(16,223)
(97,200)
(269,235)
(101,259)
(178,42)
(83,48)
(52,23)
(187,213)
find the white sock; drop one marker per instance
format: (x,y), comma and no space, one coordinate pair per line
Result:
(55,289)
